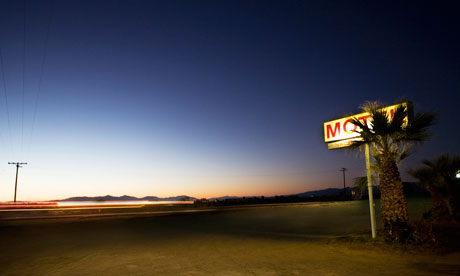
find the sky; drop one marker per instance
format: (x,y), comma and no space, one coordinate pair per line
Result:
(211,98)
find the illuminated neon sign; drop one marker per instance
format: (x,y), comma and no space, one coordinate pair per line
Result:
(342,131)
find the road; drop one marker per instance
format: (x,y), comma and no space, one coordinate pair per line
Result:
(323,239)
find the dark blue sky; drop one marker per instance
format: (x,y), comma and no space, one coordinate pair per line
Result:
(212,97)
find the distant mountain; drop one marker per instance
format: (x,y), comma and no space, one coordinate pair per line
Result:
(151,198)
(326,192)
(125,197)
(375,190)
(334,192)
(128,198)
(224,197)
(178,198)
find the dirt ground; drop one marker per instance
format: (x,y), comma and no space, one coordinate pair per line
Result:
(283,240)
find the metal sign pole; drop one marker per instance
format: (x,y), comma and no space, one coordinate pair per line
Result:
(369,188)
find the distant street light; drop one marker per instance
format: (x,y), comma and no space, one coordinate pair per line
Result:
(458,174)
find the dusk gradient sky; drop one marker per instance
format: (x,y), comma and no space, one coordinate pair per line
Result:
(211,98)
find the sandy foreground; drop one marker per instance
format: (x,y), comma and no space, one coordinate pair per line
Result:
(283,240)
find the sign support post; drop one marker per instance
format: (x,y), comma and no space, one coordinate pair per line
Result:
(369,189)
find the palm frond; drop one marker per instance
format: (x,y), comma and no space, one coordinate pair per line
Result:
(439,171)
(399,116)
(379,122)
(369,106)
(392,134)
(417,128)
(403,155)
(423,174)
(356,145)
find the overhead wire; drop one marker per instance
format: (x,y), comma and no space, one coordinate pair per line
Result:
(23,76)
(42,70)
(5,96)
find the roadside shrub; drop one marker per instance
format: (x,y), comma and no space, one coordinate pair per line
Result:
(422,233)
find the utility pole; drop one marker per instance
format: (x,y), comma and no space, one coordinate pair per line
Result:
(343,170)
(18,165)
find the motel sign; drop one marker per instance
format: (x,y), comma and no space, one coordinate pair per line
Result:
(342,132)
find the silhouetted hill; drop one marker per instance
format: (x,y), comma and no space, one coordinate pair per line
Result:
(178,198)
(224,197)
(151,198)
(326,192)
(319,193)
(335,192)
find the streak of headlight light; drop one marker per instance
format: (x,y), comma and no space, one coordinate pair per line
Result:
(91,203)
(107,203)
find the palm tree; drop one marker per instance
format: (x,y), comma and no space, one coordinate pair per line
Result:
(389,141)
(429,177)
(360,185)
(443,169)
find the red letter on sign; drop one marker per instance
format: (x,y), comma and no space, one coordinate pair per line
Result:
(392,114)
(333,132)
(364,119)
(345,127)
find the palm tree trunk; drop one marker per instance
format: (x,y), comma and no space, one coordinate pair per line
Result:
(393,201)
(440,209)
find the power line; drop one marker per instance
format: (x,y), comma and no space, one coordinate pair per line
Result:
(23,75)
(42,69)
(5,95)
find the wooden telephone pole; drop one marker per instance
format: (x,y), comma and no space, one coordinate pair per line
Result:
(343,170)
(18,165)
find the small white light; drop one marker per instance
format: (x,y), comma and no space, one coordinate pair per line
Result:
(458,174)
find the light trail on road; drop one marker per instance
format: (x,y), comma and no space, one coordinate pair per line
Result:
(89,204)
(69,208)
(85,209)
(107,215)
